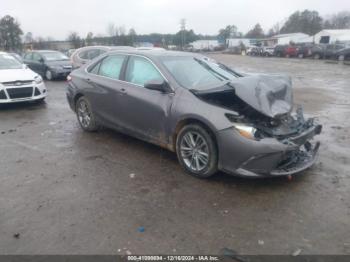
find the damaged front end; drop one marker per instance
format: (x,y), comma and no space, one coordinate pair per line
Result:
(281,140)
(296,134)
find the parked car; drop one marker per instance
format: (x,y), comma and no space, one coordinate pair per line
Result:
(304,50)
(285,51)
(69,52)
(254,50)
(291,51)
(322,51)
(83,55)
(47,63)
(202,110)
(343,54)
(18,83)
(280,50)
(267,51)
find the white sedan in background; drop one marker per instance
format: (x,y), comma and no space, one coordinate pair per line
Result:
(18,83)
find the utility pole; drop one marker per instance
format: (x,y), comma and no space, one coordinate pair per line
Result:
(183,31)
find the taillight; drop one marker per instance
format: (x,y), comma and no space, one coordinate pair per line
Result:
(69,78)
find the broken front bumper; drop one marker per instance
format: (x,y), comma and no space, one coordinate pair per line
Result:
(267,157)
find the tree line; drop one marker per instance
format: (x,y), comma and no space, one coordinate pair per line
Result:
(306,21)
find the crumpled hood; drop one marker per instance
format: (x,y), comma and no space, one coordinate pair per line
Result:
(9,75)
(271,95)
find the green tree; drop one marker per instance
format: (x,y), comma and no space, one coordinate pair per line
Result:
(230,31)
(75,39)
(183,37)
(256,32)
(340,20)
(10,33)
(89,38)
(132,36)
(308,22)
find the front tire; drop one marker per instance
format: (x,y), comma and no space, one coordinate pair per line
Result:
(197,151)
(85,115)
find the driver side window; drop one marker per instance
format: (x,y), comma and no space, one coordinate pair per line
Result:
(140,70)
(36,57)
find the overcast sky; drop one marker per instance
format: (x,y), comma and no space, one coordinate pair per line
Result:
(56,18)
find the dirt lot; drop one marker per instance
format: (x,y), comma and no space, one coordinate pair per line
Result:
(63,191)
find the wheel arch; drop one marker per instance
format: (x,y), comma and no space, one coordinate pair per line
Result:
(192,120)
(75,99)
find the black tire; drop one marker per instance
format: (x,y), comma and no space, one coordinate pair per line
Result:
(40,101)
(317,56)
(85,115)
(210,148)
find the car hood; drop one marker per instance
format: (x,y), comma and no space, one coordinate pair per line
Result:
(271,95)
(59,63)
(9,75)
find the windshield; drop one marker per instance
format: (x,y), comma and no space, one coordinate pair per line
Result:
(192,73)
(224,71)
(54,56)
(9,62)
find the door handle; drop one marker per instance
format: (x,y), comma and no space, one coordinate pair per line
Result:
(88,79)
(123,91)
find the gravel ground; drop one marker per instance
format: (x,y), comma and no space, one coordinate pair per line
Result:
(63,191)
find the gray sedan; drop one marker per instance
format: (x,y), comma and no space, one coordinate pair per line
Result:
(212,117)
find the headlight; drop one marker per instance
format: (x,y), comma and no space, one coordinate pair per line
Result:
(246,131)
(38,80)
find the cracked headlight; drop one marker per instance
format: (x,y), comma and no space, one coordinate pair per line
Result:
(246,131)
(38,80)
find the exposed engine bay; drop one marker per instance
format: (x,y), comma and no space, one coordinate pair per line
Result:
(268,110)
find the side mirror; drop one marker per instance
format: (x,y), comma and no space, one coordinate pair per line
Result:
(157,84)
(41,60)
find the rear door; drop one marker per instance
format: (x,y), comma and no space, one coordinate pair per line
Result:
(37,64)
(104,90)
(27,59)
(140,110)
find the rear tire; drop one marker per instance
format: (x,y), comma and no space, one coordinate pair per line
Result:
(85,115)
(197,151)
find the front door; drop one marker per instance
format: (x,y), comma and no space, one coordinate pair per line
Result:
(141,110)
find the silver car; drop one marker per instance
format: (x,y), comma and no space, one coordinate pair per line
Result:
(212,117)
(83,55)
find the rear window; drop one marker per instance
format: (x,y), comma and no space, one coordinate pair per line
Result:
(109,67)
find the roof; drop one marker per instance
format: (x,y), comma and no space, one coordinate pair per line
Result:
(289,35)
(336,31)
(155,53)
(42,51)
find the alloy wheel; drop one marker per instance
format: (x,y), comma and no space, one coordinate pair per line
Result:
(84,114)
(194,151)
(48,75)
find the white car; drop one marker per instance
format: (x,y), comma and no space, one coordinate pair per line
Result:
(18,83)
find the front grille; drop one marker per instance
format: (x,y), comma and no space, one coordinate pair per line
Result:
(20,92)
(18,83)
